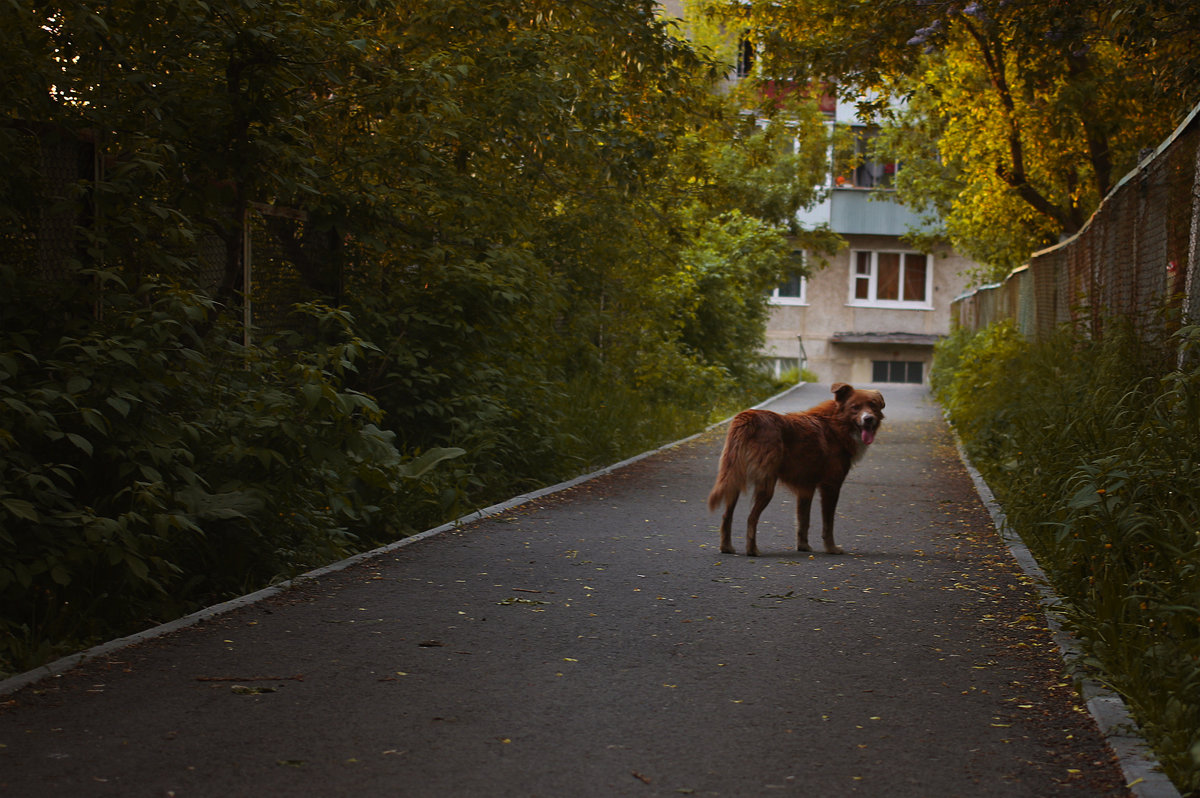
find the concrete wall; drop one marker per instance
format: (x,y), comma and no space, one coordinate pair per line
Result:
(827,311)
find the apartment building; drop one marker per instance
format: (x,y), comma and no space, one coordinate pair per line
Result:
(874,313)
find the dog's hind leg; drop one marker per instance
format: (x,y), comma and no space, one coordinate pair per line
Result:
(763,492)
(829,501)
(804,500)
(727,524)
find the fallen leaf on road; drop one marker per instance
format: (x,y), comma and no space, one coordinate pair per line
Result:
(243,689)
(296,678)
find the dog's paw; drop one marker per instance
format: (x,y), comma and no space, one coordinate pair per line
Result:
(803,547)
(834,550)
(752,552)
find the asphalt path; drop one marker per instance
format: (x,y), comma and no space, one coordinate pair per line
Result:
(594,642)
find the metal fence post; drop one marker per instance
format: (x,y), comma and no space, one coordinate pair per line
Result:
(1191,297)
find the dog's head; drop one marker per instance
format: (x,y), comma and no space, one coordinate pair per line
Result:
(863,408)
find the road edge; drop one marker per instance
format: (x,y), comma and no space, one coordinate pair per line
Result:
(1139,764)
(64,664)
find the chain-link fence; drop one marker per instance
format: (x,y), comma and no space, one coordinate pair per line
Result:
(1136,258)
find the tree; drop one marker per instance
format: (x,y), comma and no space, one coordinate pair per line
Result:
(1021,114)
(753,174)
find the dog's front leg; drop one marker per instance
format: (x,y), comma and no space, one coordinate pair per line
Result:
(804,500)
(829,500)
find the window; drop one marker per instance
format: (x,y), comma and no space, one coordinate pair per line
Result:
(867,172)
(794,290)
(911,371)
(745,57)
(790,293)
(891,279)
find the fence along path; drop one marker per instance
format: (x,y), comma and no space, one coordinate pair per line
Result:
(1135,258)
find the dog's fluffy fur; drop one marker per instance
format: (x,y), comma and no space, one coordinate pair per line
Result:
(808,452)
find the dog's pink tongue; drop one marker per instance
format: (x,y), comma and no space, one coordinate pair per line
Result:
(868,436)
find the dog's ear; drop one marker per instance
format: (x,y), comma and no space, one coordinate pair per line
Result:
(879,396)
(842,391)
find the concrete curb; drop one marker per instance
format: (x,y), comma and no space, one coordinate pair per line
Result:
(63,664)
(1142,770)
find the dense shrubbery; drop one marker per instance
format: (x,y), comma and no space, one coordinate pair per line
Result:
(148,464)
(1092,449)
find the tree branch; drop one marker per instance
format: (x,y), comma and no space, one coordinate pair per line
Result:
(992,52)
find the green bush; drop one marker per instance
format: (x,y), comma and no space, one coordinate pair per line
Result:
(975,378)
(1091,447)
(605,419)
(150,465)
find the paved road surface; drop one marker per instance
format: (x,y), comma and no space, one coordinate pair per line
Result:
(596,643)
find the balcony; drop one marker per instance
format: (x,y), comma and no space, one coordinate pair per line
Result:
(858,211)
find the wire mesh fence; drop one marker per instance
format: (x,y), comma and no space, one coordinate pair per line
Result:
(1136,258)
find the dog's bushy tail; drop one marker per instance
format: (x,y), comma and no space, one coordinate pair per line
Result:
(731,474)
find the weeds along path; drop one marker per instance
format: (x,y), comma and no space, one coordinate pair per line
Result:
(596,643)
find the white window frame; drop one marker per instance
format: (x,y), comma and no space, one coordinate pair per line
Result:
(872,279)
(774,297)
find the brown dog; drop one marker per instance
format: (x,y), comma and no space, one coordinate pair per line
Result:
(808,452)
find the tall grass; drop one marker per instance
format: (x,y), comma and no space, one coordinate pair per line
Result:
(1093,449)
(605,421)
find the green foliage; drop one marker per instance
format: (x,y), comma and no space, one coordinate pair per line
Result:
(973,376)
(149,466)
(590,213)
(1020,115)
(1091,449)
